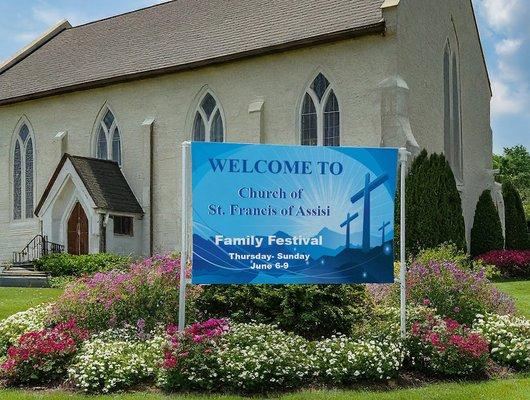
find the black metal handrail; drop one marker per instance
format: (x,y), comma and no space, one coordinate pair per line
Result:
(39,246)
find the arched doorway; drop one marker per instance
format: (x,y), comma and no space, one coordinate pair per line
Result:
(78,231)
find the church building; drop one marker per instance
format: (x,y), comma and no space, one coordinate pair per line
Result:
(92,116)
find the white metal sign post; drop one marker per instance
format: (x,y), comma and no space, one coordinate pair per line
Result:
(184,237)
(403,156)
(186,208)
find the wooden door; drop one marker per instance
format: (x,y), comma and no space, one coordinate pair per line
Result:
(78,231)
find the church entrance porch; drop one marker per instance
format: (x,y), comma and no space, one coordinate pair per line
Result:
(88,207)
(78,231)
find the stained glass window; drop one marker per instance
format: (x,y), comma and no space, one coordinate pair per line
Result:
(29,178)
(198,129)
(216,132)
(331,121)
(320,115)
(102,151)
(319,85)
(208,105)
(17,182)
(208,123)
(108,141)
(23,174)
(452,124)
(309,122)
(116,146)
(108,119)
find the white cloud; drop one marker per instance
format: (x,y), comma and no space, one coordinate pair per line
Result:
(502,14)
(48,15)
(504,101)
(508,47)
(26,37)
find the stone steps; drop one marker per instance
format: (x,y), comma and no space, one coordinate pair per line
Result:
(22,277)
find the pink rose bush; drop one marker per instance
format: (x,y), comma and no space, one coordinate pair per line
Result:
(43,355)
(147,292)
(510,263)
(445,347)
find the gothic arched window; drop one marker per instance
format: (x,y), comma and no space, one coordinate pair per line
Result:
(320,115)
(208,123)
(23,174)
(108,139)
(452,125)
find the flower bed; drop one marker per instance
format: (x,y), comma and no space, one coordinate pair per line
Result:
(147,291)
(130,315)
(43,355)
(510,263)
(445,347)
(509,337)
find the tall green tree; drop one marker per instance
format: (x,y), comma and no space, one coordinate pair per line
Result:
(516,227)
(486,234)
(514,165)
(433,205)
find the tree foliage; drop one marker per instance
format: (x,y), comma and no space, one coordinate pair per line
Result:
(516,227)
(514,165)
(433,205)
(486,234)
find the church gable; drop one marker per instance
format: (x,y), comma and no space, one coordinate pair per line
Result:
(104,183)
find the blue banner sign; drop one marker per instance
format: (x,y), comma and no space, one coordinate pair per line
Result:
(292,214)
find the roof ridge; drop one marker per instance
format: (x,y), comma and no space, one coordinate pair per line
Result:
(124,13)
(91,158)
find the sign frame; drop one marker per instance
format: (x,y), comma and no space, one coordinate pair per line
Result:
(186,208)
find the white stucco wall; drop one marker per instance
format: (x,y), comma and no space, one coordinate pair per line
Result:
(423,28)
(354,68)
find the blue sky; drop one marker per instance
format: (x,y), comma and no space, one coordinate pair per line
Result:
(503,26)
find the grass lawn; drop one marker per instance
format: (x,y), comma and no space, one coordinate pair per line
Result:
(13,300)
(520,290)
(516,389)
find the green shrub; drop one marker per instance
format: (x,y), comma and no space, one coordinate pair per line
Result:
(71,265)
(311,311)
(486,234)
(444,252)
(516,227)
(433,205)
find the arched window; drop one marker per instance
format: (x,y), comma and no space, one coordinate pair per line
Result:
(320,115)
(452,125)
(208,123)
(108,139)
(23,174)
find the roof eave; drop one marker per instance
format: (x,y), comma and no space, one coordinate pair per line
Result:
(372,29)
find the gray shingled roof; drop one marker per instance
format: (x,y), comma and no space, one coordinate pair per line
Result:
(104,182)
(178,35)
